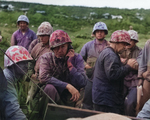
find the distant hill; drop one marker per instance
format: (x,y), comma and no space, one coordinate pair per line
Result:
(74,17)
(77,21)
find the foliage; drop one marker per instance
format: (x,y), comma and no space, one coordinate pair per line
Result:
(72,18)
(77,21)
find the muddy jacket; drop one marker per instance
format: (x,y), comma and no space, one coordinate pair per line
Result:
(54,71)
(90,52)
(108,79)
(11,105)
(132,78)
(32,45)
(145,58)
(23,40)
(36,52)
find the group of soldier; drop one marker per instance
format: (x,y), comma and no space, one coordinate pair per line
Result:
(108,76)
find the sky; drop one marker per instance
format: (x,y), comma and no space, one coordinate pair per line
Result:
(130,4)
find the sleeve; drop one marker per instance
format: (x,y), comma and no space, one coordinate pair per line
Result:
(33,43)
(77,74)
(46,74)
(13,41)
(113,68)
(136,65)
(83,52)
(34,36)
(144,59)
(139,56)
(145,112)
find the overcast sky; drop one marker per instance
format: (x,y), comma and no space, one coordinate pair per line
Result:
(130,4)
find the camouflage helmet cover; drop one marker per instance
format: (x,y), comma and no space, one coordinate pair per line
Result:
(100,26)
(45,29)
(133,35)
(120,36)
(17,54)
(59,37)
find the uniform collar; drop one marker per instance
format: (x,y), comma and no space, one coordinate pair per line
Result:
(97,43)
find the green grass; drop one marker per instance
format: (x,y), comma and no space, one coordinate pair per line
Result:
(142,39)
(6,33)
(79,38)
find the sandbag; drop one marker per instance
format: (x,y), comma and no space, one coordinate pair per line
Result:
(103,116)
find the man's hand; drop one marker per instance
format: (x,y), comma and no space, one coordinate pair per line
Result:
(123,60)
(74,92)
(34,77)
(87,66)
(131,62)
(70,54)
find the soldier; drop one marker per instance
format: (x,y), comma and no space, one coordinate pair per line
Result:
(36,41)
(90,51)
(131,28)
(62,70)
(0,37)
(44,32)
(23,36)
(21,57)
(144,76)
(131,79)
(107,91)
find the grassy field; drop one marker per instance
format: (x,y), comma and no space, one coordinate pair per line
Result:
(78,38)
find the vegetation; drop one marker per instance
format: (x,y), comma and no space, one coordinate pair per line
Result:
(77,21)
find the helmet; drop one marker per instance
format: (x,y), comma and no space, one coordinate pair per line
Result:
(23,18)
(45,29)
(100,26)
(58,38)
(133,35)
(17,54)
(120,36)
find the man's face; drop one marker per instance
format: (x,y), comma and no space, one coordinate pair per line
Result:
(61,50)
(121,47)
(24,66)
(133,43)
(100,34)
(44,39)
(23,25)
